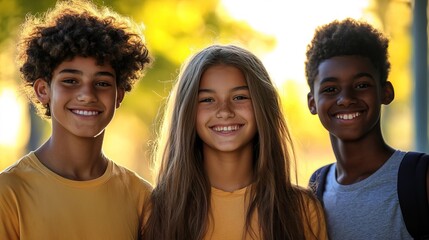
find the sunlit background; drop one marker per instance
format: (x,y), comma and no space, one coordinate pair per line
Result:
(275,30)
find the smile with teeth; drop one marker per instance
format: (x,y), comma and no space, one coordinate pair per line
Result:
(226,128)
(348,116)
(86,112)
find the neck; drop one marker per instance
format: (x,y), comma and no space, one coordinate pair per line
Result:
(358,159)
(229,171)
(74,157)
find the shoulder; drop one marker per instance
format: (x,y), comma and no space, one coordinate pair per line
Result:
(130,178)
(313,215)
(14,179)
(308,200)
(414,163)
(413,185)
(318,178)
(320,172)
(16,171)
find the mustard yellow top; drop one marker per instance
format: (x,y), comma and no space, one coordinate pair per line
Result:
(36,203)
(229,217)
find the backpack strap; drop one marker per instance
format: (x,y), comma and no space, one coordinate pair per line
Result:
(412,194)
(318,180)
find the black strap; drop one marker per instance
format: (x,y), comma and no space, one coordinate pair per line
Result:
(412,194)
(318,180)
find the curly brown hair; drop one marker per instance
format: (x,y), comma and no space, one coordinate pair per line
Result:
(80,28)
(347,37)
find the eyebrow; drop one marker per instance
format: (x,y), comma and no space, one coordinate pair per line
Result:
(327,79)
(74,71)
(232,90)
(364,74)
(357,76)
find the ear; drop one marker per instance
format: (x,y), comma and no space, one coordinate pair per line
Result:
(120,96)
(311,104)
(388,93)
(42,91)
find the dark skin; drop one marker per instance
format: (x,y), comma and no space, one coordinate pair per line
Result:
(347,97)
(354,164)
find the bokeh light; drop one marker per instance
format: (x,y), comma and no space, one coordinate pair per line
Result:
(276,31)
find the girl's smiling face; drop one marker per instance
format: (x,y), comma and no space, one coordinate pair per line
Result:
(225,119)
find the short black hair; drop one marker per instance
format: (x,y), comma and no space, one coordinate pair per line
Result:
(347,37)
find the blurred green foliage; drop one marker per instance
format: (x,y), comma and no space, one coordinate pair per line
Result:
(175,29)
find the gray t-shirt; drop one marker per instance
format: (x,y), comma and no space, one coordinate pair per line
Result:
(368,209)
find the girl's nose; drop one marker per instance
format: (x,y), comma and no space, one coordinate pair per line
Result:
(225,111)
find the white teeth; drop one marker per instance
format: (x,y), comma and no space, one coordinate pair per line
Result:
(226,128)
(348,116)
(85,112)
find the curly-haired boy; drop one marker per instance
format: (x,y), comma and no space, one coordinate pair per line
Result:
(347,70)
(77,61)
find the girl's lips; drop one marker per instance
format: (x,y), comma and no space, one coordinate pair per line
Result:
(229,128)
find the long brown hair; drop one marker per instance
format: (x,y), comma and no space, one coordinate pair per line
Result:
(181,198)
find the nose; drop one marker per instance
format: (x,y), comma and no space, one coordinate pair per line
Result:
(87,94)
(225,110)
(346,97)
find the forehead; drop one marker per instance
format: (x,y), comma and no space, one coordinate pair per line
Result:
(222,76)
(346,66)
(84,64)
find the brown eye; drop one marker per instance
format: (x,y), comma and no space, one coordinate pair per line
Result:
(362,85)
(206,100)
(329,90)
(69,81)
(240,97)
(103,84)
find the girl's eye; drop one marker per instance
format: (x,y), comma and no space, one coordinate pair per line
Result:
(241,97)
(206,100)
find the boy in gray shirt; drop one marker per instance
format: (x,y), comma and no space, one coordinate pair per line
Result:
(347,69)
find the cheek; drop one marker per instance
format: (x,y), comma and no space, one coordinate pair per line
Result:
(248,113)
(56,97)
(324,102)
(322,106)
(110,99)
(251,115)
(200,120)
(246,109)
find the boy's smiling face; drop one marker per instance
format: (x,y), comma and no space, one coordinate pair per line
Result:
(348,95)
(82,96)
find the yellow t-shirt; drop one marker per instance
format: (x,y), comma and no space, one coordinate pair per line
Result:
(229,216)
(36,203)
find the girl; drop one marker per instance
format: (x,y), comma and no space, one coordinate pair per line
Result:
(223,154)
